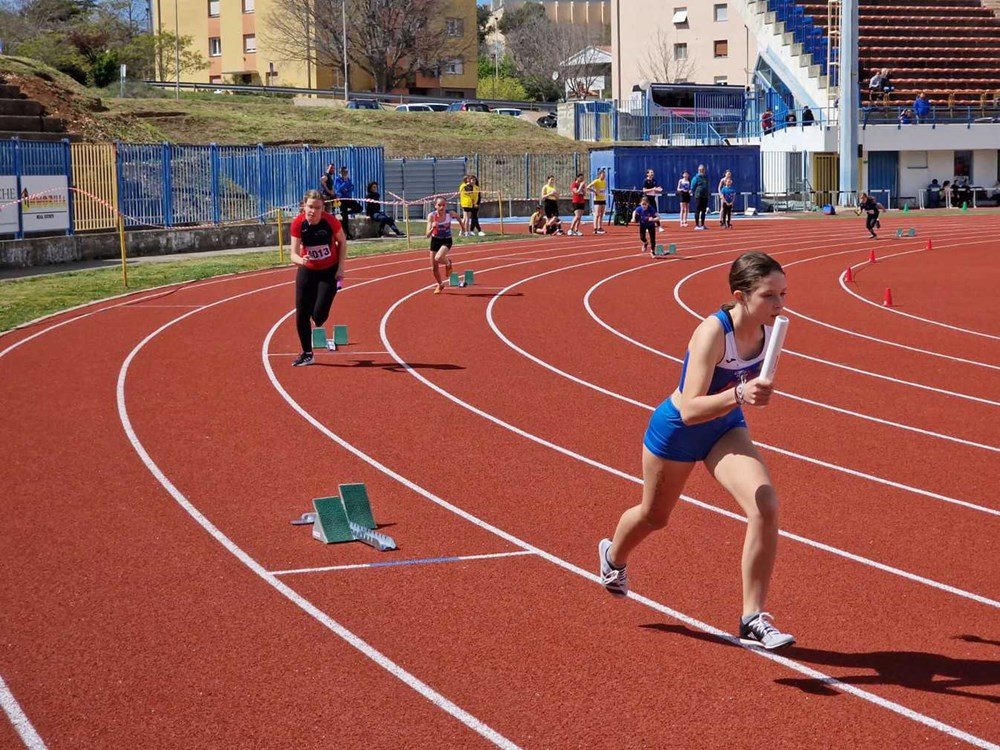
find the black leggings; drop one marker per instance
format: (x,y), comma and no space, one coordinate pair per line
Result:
(643,230)
(347,207)
(870,222)
(314,293)
(727,214)
(700,209)
(474,220)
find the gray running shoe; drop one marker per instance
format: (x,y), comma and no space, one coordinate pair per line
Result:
(759,631)
(303,360)
(615,580)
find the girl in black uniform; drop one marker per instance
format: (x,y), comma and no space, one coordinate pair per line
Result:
(869,205)
(319,249)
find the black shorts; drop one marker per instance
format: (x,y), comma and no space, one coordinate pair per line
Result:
(438,242)
(551,208)
(684,196)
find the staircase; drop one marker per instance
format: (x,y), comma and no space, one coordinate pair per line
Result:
(949,49)
(26,119)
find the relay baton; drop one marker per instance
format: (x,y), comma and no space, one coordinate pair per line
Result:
(774,345)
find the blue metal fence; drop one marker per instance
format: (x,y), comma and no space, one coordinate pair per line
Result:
(167,185)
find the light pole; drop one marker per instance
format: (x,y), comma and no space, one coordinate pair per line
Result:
(343,29)
(177,53)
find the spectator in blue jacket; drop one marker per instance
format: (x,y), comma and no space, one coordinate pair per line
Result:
(344,189)
(921,107)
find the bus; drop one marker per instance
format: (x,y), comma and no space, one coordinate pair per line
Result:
(692,101)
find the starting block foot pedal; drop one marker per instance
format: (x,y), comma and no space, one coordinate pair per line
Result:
(319,339)
(672,249)
(468,278)
(899,233)
(340,335)
(453,279)
(658,250)
(913,232)
(331,524)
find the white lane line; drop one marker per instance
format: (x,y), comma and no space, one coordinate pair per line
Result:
(22,724)
(792,665)
(304,604)
(394,563)
(649,407)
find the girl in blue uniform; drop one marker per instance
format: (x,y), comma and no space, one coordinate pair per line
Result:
(648,219)
(439,230)
(703,421)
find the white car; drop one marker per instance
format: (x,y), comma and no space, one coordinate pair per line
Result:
(413,108)
(507,111)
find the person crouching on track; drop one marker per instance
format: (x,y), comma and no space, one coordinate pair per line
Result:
(319,249)
(648,219)
(439,230)
(870,206)
(539,223)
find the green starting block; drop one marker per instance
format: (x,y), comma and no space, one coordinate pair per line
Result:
(319,339)
(671,249)
(469,277)
(912,232)
(345,518)
(453,279)
(340,335)
(899,233)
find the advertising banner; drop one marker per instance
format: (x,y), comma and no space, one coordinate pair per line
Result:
(44,203)
(9,215)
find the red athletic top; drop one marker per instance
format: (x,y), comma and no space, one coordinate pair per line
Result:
(576,198)
(318,240)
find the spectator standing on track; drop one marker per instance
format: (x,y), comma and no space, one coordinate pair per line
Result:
(684,196)
(651,189)
(599,187)
(439,232)
(578,194)
(550,197)
(344,188)
(373,208)
(475,226)
(871,207)
(718,190)
(648,219)
(319,249)
(728,197)
(699,195)
(468,195)
(703,421)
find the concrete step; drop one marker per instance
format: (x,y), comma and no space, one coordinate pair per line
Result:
(53,125)
(18,122)
(6,135)
(22,107)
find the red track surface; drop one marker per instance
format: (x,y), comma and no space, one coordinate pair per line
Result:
(155,595)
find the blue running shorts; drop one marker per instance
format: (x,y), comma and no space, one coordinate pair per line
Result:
(669,438)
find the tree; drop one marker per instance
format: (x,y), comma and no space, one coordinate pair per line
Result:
(389,39)
(540,50)
(661,65)
(155,56)
(483,23)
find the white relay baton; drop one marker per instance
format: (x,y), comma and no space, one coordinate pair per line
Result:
(774,345)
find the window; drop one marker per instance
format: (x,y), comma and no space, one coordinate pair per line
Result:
(213,8)
(248,6)
(455,67)
(215,79)
(455,26)
(214,46)
(963,163)
(721,12)
(681,51)
(722,48)
(680,16)
(721,80)
(249,42)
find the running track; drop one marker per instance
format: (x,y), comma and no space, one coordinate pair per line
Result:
(156,447)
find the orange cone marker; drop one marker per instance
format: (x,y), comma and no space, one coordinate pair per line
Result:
(871,257)
(849,277)
(887,298)
(930,245)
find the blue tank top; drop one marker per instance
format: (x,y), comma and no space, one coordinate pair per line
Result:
(732,368)
(684,185)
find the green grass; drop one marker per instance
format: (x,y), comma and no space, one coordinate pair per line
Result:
(27,299)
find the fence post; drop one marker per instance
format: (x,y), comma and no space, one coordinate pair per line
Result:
(213,153)
(281,238)
(262,175)
(68,168)
(527,176)
(168,188)
(121,240)
(19,234)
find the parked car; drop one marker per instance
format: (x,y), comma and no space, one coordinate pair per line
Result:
(363,104)
(413,108)
(468,105)
(512,111)
(547,121)
(438,106)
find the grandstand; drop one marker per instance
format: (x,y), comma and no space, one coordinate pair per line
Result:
(949,49)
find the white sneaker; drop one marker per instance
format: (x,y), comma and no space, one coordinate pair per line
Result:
(482,234)
(758,631)
(614,580)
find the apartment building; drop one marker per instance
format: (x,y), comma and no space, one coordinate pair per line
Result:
(232,36)
(595,15)
(692,41)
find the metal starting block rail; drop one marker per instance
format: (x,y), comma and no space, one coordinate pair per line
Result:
(345,518)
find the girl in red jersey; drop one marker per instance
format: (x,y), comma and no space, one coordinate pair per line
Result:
(578,193)
(319,249)
(439,230)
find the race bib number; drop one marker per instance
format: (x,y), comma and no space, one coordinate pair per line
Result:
(319,252)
